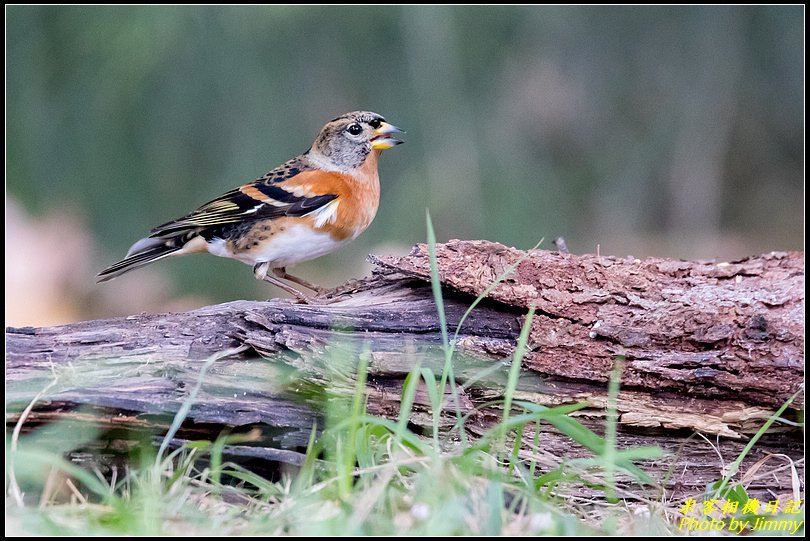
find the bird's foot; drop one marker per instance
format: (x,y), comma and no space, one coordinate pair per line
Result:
(284,275)
(260,271)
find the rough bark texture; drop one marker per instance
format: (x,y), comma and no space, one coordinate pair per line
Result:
(709,347)
(726,330)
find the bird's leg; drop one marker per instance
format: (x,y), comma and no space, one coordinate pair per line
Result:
(281,272)
(260,271)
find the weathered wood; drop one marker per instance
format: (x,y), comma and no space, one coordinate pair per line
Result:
(709,347)
(732,330)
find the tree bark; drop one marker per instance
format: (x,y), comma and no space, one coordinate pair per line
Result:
(712,348)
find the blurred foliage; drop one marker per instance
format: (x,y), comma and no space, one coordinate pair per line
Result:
(674,131)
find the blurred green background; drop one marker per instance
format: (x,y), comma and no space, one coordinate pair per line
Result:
(668,131)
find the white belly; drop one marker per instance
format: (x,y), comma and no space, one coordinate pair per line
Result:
(295,244)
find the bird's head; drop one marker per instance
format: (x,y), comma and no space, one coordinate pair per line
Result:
(345,142)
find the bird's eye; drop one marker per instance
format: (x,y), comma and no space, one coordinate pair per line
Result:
(375,123)
(355,129)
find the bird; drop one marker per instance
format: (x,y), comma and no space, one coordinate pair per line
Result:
(305,208)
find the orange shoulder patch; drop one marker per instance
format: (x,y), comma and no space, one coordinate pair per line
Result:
(314,183)
(251,191)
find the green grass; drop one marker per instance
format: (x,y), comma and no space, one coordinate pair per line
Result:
(722,485)
(363,475)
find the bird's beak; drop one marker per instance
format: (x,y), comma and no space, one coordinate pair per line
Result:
(381,139)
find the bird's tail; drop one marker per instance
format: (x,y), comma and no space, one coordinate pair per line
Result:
(144,252)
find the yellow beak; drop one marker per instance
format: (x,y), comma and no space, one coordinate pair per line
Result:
(381,139)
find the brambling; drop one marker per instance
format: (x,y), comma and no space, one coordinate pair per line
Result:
(305,208)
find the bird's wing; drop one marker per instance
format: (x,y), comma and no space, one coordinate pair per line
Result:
(284,191)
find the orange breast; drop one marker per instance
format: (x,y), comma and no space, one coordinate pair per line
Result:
(357,201)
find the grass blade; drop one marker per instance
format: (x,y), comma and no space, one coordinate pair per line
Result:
(735,466)
(407,399)
(448,374)
(185,408)
(609,453)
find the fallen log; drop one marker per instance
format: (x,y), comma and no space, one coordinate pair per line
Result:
(708,348)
